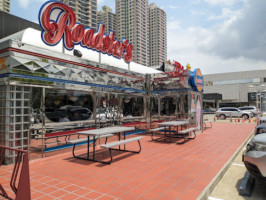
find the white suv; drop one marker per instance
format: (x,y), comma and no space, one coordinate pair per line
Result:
(222,113)
(252,109)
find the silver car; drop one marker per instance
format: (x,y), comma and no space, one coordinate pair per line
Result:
(252,109)
(225,112)
(254,157)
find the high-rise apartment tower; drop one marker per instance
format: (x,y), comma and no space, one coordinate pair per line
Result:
(158,35)
(132,23)
(108,18)
(85,10)
(5,5)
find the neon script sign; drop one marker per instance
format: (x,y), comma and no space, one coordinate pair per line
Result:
(59,21)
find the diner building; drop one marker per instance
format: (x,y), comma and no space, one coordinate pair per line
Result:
(48,90)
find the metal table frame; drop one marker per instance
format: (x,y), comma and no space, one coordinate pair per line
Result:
(103,131)
(169,136)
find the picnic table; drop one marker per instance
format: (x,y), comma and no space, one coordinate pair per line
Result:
(165,127)
(107,132)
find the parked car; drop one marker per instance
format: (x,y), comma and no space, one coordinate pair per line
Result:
(225,112)
(252,109)
(254,157)
(68,113)
(261,120)
(261,128)
(76,113)
(209,110)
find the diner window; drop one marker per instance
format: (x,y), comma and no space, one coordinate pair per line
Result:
(168,106)
(133,106)
(64,106)
(108,108)
(154,106)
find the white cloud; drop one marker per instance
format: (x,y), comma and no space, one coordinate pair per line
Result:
(173,7)
(173,25)
(236,44)
(226,13)
(222,2)
(24,3)
(243,34)
(197,12)
(100,2)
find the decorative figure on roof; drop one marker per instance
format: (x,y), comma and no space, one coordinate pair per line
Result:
(179,72)
(188,67)
(177,66)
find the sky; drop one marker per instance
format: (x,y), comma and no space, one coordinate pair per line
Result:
(214,35)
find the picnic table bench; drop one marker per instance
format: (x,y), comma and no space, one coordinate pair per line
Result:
(168,133)
(186,133)
(77,141)
(121,142)
(154,131)
(102,132)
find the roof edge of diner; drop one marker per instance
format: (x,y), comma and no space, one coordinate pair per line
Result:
(33,38)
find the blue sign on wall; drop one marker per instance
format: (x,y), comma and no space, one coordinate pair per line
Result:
(196,80)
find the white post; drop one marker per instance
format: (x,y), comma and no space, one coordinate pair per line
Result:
(257,98)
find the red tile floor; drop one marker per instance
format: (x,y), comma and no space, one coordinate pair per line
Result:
(160,171)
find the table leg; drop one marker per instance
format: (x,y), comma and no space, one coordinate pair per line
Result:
(88,155)
(94,141)
(119,139)
(124,139)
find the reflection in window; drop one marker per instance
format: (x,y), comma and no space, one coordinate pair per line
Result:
(108,108)
(36,105)
(64,106)
(154,106)
(133,106)
(168,106)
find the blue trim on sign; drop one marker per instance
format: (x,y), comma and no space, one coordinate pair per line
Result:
(70,82)
(66,146)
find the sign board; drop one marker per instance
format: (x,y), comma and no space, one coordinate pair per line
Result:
(196,80)
(2,63)
(58,21)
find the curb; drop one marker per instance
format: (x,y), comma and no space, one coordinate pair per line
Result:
(208,190)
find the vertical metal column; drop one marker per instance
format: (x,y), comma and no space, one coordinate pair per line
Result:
(43,118)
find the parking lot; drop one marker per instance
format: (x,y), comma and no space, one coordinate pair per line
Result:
(228,186)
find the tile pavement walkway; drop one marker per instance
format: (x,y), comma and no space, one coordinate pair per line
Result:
(160,171)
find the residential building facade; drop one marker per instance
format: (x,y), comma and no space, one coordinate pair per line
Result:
(132,20)
(5,5)
(158,35)
(85,10)
(108,18)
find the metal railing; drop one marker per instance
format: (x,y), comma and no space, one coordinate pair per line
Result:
(20,187)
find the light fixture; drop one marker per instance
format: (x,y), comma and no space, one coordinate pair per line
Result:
(77,53)
(127,100)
